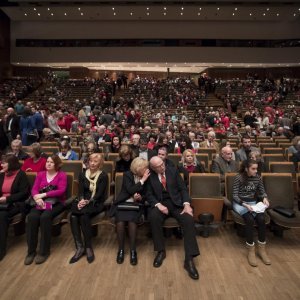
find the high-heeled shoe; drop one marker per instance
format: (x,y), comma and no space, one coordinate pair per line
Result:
(78,254)
(90,256)
(133,258)
(120,256)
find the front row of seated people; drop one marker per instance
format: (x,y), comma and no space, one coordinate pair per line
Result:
(162,187)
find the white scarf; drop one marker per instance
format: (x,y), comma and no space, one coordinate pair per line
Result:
(93,181)
(65,157)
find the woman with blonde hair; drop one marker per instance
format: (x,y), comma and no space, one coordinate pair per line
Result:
(189,164)
(128,206)
(93,184)
(126,156)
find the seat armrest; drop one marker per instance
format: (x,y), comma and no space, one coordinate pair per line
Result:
(227,202)
(109,200)
(69,201)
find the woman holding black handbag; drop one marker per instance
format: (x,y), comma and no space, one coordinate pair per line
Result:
(128,206)
(49,193)
(14,189)
(93,184)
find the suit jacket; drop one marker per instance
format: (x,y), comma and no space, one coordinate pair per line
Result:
(240,155)
(20,189)
(215,145)
(221,166)
(15,128)
(129,188)
(175,185)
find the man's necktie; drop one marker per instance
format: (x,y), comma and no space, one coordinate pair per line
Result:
(163,181)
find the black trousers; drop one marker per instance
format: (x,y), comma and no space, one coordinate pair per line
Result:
(249,227)
(186,222)
(82,223)
(5,218)
(43,219)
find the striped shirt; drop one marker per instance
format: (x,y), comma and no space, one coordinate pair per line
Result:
(248,190)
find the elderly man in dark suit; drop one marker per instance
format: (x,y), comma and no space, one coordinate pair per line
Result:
(168,197)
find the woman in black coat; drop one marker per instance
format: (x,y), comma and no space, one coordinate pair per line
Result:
(93,185)
(132,193)
(14,190)
(126,155)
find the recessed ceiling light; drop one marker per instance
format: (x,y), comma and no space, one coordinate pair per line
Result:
(147,8)
(131,13)
(200,8)
(34,8)
(148,14)
(268,9)
(39,14)
(294,15)
(250,14)
(165,8)
(25,14)
(165,13)
(114,14)
(218,8)
(81,14)
(277,15)
(264,14)
(233,14)
(181,13)
(65,14)
(79,8)
(235,8)
(182,8)
(199,14)
(48,8)
(113,8)
(51,14)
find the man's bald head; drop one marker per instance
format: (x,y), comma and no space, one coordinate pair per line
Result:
(157,165)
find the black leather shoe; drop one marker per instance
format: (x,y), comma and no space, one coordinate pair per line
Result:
(159,258)
(90,256)
(78,254)
(191,269)
(133,258)
(120,256)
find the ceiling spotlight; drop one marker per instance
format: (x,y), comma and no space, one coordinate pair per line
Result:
(233,14)
(131,13)
(268,9)
(277,15)
(235,8)
(218,8)
(148,14)
(48,8)
(199,14)
(114,14)
(200,8)
(39,14)
(65,14)
(81,14)
(147,8)
(165,13)
(113,8)
(79,8)
(181,14)
(25,15)
(51,14)
(165,8)
(182,8)
(250,14)
(34,8)
(294,15)
(264,14)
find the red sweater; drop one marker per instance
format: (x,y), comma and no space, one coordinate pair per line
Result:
(30,166)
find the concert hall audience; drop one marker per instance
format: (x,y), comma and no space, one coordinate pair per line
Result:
(14,190)
(93,184)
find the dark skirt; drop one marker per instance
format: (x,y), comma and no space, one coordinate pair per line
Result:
(128,215)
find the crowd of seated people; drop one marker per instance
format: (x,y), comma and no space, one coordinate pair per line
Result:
(148,127)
